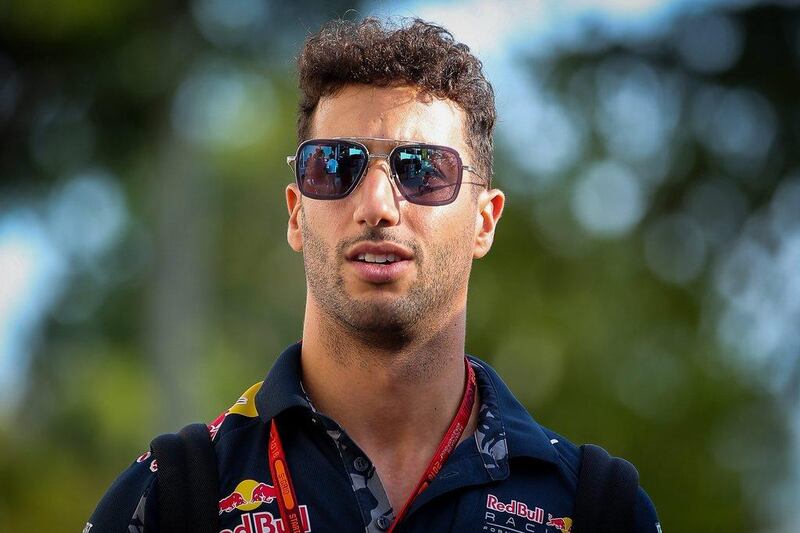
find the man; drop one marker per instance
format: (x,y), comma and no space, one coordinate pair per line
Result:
(376,420)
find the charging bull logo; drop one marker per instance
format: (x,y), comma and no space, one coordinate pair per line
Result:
(562,524)
(248,495)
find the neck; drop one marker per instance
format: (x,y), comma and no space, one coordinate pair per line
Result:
(395,402)
(385,397)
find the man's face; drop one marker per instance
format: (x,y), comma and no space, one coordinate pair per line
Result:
(433,247)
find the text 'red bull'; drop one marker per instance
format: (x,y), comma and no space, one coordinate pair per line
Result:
(516,508)
(266,522)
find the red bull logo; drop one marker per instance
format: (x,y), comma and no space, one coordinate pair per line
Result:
(563,524)
(515,507)
(248,495)
(516,515)
(231,502)
(264,493)
(266,522)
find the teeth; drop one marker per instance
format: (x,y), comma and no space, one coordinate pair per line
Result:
(378,258)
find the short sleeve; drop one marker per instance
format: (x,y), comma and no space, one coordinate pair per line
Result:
(129,502)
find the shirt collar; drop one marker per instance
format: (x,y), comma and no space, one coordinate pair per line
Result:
(505,428)
(282,388)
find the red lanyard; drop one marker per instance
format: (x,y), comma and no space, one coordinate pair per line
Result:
(279,469)
(448,443)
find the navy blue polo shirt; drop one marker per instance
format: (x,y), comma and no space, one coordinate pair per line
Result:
(511,476)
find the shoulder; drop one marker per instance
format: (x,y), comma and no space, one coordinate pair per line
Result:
(124,504)
(528,439)
(646,518)
(569,454)
(131,501)
(242,413)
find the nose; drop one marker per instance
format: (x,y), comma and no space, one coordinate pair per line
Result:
(377,200)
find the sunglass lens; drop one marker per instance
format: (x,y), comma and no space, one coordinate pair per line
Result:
(328,170)
(428,175)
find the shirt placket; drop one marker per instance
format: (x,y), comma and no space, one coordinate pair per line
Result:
(376,511)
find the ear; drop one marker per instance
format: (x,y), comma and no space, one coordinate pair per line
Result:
(294,233)
(490,209)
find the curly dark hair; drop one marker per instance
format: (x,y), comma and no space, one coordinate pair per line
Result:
(381,53)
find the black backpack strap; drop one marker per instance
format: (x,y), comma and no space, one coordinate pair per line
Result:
(607,493)
(188,482)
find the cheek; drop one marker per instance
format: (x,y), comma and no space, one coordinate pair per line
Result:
(315,248)
(451,230)
(320,221)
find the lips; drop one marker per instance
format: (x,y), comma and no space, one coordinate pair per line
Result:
(370,250)
(379,262)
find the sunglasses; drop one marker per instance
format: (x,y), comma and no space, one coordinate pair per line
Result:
(425,174)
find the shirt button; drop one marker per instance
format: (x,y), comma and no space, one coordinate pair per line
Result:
(361,464)
(383,523)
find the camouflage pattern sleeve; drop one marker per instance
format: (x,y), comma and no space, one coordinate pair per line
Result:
(122,509)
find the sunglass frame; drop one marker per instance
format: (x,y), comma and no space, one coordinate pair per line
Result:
(293,162)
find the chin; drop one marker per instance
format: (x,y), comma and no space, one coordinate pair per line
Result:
(384,322)
(375,314)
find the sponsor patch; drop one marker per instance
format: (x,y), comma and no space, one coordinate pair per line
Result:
(249,495)
(516,516)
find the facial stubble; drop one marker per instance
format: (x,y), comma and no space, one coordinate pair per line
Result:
(388,323)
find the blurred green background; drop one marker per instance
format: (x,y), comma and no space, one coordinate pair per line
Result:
(643,292)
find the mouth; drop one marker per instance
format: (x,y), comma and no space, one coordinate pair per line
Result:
(378,253)
(378,259)
(380,262)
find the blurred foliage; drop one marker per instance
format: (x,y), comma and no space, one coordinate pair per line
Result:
(188,112)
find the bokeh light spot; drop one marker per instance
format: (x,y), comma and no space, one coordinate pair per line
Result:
(709,43)
(229,22)
(759,283)
(87,215)
(221,105)
(544,137)
(739,126)
(31,280)
(608,200)
(636,111)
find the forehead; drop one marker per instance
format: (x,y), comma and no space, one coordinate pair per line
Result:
(391,113)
